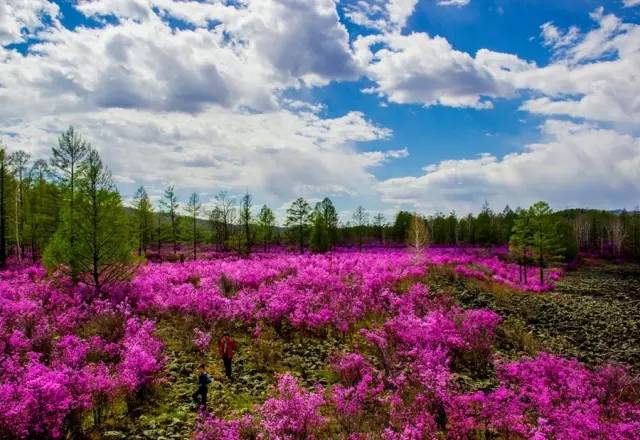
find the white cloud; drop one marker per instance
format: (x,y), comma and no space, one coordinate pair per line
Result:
(595,76)
(19,19)
(417,68)
(577,165)
(382,15)
(261,49)
(458,3)
(630,3)
(277,155)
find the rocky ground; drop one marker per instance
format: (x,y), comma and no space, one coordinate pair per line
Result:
(593,314)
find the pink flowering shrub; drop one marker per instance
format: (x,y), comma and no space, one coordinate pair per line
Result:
(65,354)
(51,371)
(294,412)
(551,397)
(201,339)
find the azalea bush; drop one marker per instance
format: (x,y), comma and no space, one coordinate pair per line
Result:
(66,354)
(54,366)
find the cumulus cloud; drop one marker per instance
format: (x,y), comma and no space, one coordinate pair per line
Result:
(595,75)
(382,15)
(277,155)
(142,61)
(420,69)
(577,165)
(19,19)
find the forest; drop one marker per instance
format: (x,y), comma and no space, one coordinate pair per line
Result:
(519,323)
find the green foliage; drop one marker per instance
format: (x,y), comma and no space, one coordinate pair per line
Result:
(144,220)
(298,217)
(401,226)
(100,251)
(324,221)
(169,204)
(266,225)
(536,236)
(193,208)
(245,224)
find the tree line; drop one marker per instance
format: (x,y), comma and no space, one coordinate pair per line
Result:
(67,212)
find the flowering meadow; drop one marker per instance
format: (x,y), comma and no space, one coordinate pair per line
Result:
(70,358)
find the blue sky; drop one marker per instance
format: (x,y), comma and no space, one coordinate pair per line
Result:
(428,105)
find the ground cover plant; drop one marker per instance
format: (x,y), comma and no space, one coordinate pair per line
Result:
(373,344)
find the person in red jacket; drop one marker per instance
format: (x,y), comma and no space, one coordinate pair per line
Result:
(226,347)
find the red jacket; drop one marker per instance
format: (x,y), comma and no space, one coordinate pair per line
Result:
(228,348)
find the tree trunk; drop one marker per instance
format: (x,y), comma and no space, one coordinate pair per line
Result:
(194,237)
(541,273)
(3,249)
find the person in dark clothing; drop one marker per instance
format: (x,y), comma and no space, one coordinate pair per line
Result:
(200,396)
(226,347)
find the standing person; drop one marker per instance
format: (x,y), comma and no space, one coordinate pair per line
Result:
(226,347)
(200,396)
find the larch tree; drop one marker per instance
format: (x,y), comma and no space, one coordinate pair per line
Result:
(520,242)
(245,219)
(223,214)
(170,206)
(298,216)
(66,160)
(545,240)
(319,240)
(266,224)
(42,208)
(379,222)
(144,219)
(361,220)
(193,208)
(19,160)
(3,213)
(330,218)
(102,251)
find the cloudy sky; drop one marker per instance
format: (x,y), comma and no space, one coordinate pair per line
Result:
(416,104)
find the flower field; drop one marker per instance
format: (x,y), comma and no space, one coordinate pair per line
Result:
(72,363)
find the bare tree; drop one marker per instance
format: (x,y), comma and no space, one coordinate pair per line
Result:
(360,219)
(615,235)
(417,235)
(582,227)
(19,161)
(224,214)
